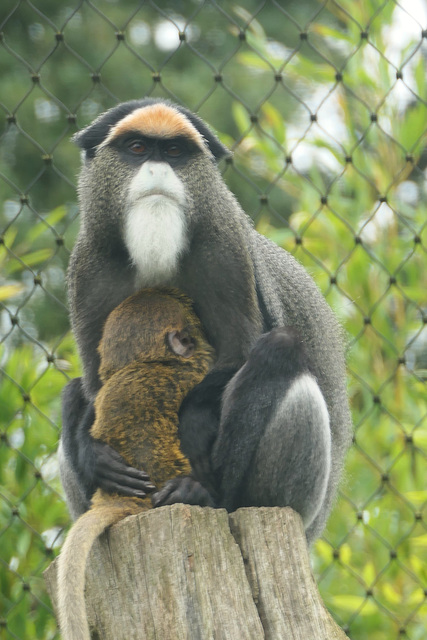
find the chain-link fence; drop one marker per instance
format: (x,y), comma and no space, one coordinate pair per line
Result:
(324,104)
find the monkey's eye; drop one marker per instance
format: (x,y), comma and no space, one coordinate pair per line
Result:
(174,150)
(137,146)
(181,343)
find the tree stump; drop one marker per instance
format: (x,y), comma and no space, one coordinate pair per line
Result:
(193,573)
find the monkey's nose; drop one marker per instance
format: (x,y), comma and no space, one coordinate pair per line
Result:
(157,169)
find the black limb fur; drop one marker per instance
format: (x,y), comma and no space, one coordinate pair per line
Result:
(199,418)
(273,446)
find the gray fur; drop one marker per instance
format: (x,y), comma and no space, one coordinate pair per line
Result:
(292,298)
(297,438)
(75,498)
(242,285)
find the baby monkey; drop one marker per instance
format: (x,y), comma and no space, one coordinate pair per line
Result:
(153,352)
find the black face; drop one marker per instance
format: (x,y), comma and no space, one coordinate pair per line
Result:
(136,149)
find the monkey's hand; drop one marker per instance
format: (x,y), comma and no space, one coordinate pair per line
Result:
(94,463)
(185,489)
(97,465)
(111,473)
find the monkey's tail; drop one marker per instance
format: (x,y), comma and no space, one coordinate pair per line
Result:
(72,566)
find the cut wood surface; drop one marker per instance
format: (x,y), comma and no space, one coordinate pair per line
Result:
(193,573)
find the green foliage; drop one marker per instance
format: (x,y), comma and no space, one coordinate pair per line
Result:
(32,509)
(325,109)
(364,241)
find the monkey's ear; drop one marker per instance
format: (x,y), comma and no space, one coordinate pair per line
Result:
(181,343)
(87,141)
(90,138)
(215,146)
(79,139)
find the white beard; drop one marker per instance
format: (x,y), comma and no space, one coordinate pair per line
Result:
(155,230)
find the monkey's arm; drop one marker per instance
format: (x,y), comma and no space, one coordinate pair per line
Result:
(225,299)
(94,463)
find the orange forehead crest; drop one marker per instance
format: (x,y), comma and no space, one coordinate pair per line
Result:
(159,121)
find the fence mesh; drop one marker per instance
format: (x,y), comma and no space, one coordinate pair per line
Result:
(324,104)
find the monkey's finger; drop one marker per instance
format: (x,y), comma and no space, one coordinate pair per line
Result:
(126,484)
(123,490)
(117,470)
(132,481)
(109,460)
(160,497)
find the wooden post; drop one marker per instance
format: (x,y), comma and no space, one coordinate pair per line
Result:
(195,573)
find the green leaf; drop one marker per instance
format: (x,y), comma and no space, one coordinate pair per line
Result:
(50,220)
(354,603)
(416,497)
(30,259)
(420,73)
(391,594)
(369,573)
(323,549)
(10,291)
(252,60)
(327,31)
(241,117)
(274,122)
(420,542)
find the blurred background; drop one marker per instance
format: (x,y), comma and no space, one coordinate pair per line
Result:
(324,104)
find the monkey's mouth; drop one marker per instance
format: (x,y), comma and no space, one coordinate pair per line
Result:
(157,193)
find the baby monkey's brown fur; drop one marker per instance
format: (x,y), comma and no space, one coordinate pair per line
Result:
(153,352)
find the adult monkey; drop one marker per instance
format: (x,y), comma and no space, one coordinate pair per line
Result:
(156,211)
